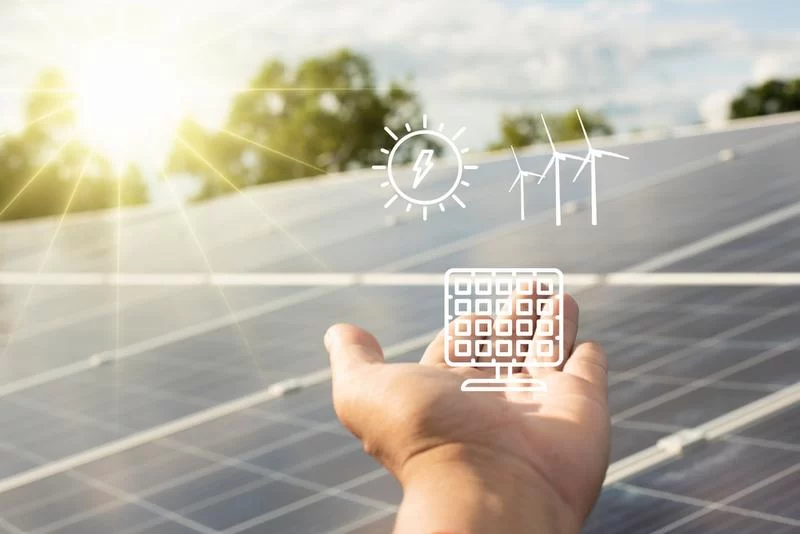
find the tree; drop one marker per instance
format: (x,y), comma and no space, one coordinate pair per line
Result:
(324,116)
(774,96)
(569,127)
(519,130)
(526,128)
(47,149)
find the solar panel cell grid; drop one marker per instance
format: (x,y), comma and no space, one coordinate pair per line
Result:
(721,522)
(731,485)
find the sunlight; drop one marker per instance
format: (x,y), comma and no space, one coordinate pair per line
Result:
(128,98)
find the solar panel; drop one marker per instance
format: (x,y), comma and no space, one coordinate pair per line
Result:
(739,483)
(178,430)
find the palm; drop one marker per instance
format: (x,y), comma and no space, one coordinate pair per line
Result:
(404,410)
(547,431)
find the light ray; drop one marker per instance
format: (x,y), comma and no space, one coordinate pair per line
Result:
(34,177)
(37,90)
(46,256)
(308,89)
(470,167)
(367,304)
(391,201)
(210,269)
(391,133)
(37,120)
(202,90)
(273,151)
(465,184)
(408,208)
(46,116)
(408,127)
(319,261)
(384,184)
(459,132)
(441,207)
(121,24)
(459,201)
(379,167)
(441,126)
(424,213)
(425,121)
(385,151)
(465,150)
(118,306)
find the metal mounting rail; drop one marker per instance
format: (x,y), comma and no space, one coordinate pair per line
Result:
(673,445)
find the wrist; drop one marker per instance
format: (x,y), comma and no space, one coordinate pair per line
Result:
(461,490)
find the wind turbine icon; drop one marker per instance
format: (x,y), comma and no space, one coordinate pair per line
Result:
(521,181)
(591,158)
(556,160)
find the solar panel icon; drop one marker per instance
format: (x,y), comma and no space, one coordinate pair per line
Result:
(504,320)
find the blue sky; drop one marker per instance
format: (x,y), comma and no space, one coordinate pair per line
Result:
(646,63)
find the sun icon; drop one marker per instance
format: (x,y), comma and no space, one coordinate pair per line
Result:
(410,184)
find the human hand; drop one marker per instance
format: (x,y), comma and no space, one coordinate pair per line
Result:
(479,462)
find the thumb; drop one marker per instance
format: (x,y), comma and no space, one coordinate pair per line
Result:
(349,348)
(352,350)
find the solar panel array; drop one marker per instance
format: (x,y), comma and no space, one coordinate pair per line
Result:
(149,409)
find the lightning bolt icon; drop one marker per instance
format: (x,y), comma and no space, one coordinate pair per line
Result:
(422,166)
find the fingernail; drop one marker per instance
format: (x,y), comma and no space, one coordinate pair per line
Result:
(330,337)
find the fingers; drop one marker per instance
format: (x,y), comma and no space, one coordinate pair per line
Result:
(350,347)
(466,329)
(589,363)
(555,317)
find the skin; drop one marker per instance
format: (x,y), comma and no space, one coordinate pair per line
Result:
(474,462)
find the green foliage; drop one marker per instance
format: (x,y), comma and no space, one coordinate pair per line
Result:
(525,129)
(46,150)
(519,130)
(774,96)
(324,116)
(569,127)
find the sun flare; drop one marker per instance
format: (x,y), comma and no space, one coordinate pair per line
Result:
(128,97)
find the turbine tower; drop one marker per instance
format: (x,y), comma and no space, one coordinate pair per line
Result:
(521,180)
(591,159)
(556,160)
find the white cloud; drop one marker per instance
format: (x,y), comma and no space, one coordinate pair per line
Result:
(478,57)
(715,107)
(776,65)
(470,59)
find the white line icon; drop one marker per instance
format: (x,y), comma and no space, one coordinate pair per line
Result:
(556,160)
(504,319)
(423,164)
(521,175)
(591,157)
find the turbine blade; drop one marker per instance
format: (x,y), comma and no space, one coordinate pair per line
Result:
(515,157)
(610,154)
(586,135)
(547,131)
(519,177)
(573,157)
(583,166)
(549,166)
